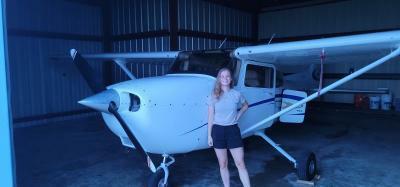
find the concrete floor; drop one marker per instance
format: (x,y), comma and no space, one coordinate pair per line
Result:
(354,149)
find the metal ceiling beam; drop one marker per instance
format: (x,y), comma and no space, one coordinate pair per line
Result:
(173,25)
(245,6)
(294,5)
(88,2)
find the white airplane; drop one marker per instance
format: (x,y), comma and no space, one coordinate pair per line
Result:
(167,114)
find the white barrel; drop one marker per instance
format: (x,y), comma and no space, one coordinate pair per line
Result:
(374,102)
(386,102)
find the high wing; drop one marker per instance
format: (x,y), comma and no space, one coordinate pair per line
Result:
(355,48)
(375,48)
(121,59)
(135,57)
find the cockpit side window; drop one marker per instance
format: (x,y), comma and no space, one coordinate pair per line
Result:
(203,63)
(259,76)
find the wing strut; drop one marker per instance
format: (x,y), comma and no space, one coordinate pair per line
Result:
(122,64)
(345,79)
(321,72)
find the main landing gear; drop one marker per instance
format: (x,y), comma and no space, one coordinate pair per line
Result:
(306,166)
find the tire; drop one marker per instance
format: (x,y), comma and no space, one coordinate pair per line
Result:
(307,167)
(156,179)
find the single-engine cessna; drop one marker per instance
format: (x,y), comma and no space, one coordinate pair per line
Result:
(167,114)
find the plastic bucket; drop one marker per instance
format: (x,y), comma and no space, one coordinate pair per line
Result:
(374,102)
(386,102)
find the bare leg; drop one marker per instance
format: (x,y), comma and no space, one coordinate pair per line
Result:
(222,155)
(237,154)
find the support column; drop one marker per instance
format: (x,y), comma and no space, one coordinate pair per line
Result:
(6,144)
(254,27)
(173,25)
(107,41)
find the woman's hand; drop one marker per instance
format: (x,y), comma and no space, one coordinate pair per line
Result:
(210,141)
(210,124)
(243,109)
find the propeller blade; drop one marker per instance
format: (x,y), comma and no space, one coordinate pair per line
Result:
(113,109)
(97,101)
(88,73)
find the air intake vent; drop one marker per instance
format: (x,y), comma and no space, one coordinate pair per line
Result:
(135,103)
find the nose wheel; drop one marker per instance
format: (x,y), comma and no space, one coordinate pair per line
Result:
(160,177)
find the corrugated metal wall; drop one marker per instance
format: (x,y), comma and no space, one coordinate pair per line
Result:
(140,16)
(54,16)
(153,15)
(338,17)
(42,88)
(196,15)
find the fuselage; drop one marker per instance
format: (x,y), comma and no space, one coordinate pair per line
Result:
(170,115)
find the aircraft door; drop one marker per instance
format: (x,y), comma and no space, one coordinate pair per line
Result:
(258,87)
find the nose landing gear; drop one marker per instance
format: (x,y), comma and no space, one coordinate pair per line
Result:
(160,177)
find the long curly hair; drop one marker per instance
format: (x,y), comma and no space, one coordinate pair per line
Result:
(217,91)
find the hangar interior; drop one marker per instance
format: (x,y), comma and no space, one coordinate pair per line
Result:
(60,142)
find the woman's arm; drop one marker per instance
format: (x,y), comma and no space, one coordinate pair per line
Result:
(245,106)
(210,123)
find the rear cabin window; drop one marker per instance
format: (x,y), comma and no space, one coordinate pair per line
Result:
(259,76)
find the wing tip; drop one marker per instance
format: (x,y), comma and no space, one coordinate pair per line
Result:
(73,53)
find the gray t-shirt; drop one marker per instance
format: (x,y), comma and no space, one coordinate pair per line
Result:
(225,108)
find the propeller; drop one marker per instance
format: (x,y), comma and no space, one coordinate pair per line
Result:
(106,101)
(88,73)
(113,109)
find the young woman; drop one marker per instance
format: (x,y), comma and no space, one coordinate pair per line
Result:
(223,131)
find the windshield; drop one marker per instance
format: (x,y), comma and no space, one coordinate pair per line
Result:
(203,63)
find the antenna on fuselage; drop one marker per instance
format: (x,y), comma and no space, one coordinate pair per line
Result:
(222,43)
(272,37)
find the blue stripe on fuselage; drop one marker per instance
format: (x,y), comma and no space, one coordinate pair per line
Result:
(262,102)
(297,98)
(251,105)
